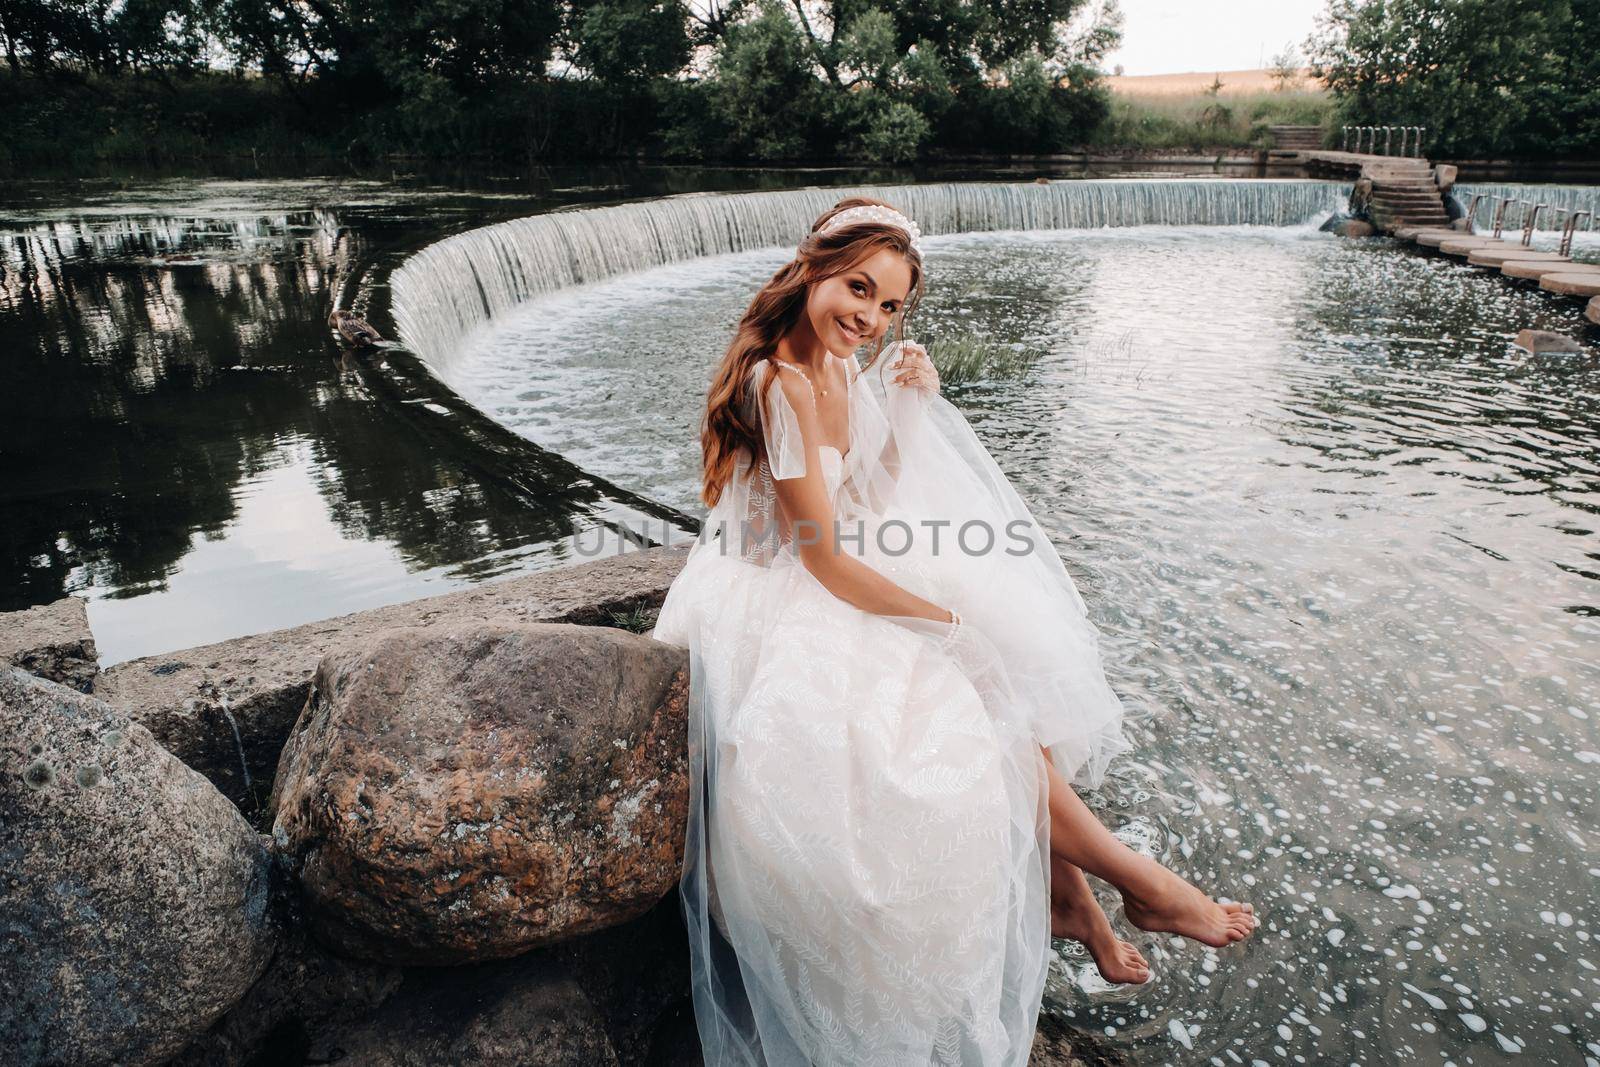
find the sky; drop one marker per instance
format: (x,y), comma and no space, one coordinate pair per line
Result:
(1180,36)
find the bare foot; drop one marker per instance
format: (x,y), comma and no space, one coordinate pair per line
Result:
(1074,913)
(1166,903)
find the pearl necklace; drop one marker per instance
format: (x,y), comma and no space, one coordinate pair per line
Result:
(798,370)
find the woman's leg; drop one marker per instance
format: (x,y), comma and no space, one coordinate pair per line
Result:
(1153,897)
(1075,913)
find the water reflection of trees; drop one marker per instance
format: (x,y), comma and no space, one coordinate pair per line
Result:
(145,387)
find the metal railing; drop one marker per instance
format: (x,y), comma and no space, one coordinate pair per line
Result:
(1529,223)
(1500,214)
(1571,226)
(1368,140)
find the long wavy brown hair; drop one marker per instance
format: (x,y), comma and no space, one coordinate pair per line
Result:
(725,433)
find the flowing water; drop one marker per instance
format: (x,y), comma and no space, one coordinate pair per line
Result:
(1342,543)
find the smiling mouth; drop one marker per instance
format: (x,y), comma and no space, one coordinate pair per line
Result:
(849,334)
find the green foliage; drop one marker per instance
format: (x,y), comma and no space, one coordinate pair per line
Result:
(104,38)
(963,358)
(1284,69)
(631,40)
(638,619)
(1487,77)
(763,90)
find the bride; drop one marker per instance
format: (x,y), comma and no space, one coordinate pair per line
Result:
(893,686)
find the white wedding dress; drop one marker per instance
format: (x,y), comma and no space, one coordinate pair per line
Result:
(866,870)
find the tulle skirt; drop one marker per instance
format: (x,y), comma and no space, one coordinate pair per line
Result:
(866,871)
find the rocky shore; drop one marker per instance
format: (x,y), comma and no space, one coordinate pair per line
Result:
(442,832)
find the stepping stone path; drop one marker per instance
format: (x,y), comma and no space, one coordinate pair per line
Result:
(1573,283)
(1404,197)
(1437,238)
(1464,246)
(1539,268)
(1494,257)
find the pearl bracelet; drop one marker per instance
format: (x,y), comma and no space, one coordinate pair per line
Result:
(955,627)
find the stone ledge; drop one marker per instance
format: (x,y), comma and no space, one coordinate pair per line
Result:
(52,641)
(225,709)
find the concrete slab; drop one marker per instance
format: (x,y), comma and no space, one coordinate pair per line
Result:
(1434,240)
(1573,283)
(1493,257)
(225,709)
(1464,246)
(1538,268)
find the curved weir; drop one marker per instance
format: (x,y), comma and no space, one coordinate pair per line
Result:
(443,292)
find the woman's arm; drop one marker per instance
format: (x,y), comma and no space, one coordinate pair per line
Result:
(806,503)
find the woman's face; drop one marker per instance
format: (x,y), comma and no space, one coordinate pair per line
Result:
(848,310)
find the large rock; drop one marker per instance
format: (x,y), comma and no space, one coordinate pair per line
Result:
(1355,228)
(1592,312)
(305,992)
(133,895)
(616,996)
(1444,176)
(462,794)
(1057,1043)
(506,1014)
(1537,341)
(52,641)
(225,709)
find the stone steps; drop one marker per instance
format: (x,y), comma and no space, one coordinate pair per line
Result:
(1404,196)
(1393,222)
(1296,138)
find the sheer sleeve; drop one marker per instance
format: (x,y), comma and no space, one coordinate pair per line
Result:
(748,520)
(780,425)
(871,480)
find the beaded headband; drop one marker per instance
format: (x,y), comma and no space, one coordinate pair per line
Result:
(873,213)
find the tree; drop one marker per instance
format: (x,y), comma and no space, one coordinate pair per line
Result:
(1285,69)
(763,88)
(630,40)
(383,50)
(890,75)
(103,37)
(1486,77)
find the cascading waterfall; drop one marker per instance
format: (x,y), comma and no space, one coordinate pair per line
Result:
(1560,198)
(443,292)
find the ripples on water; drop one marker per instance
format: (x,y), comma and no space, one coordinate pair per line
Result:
(1342,544)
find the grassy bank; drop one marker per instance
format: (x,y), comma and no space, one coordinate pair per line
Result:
(1201,120)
